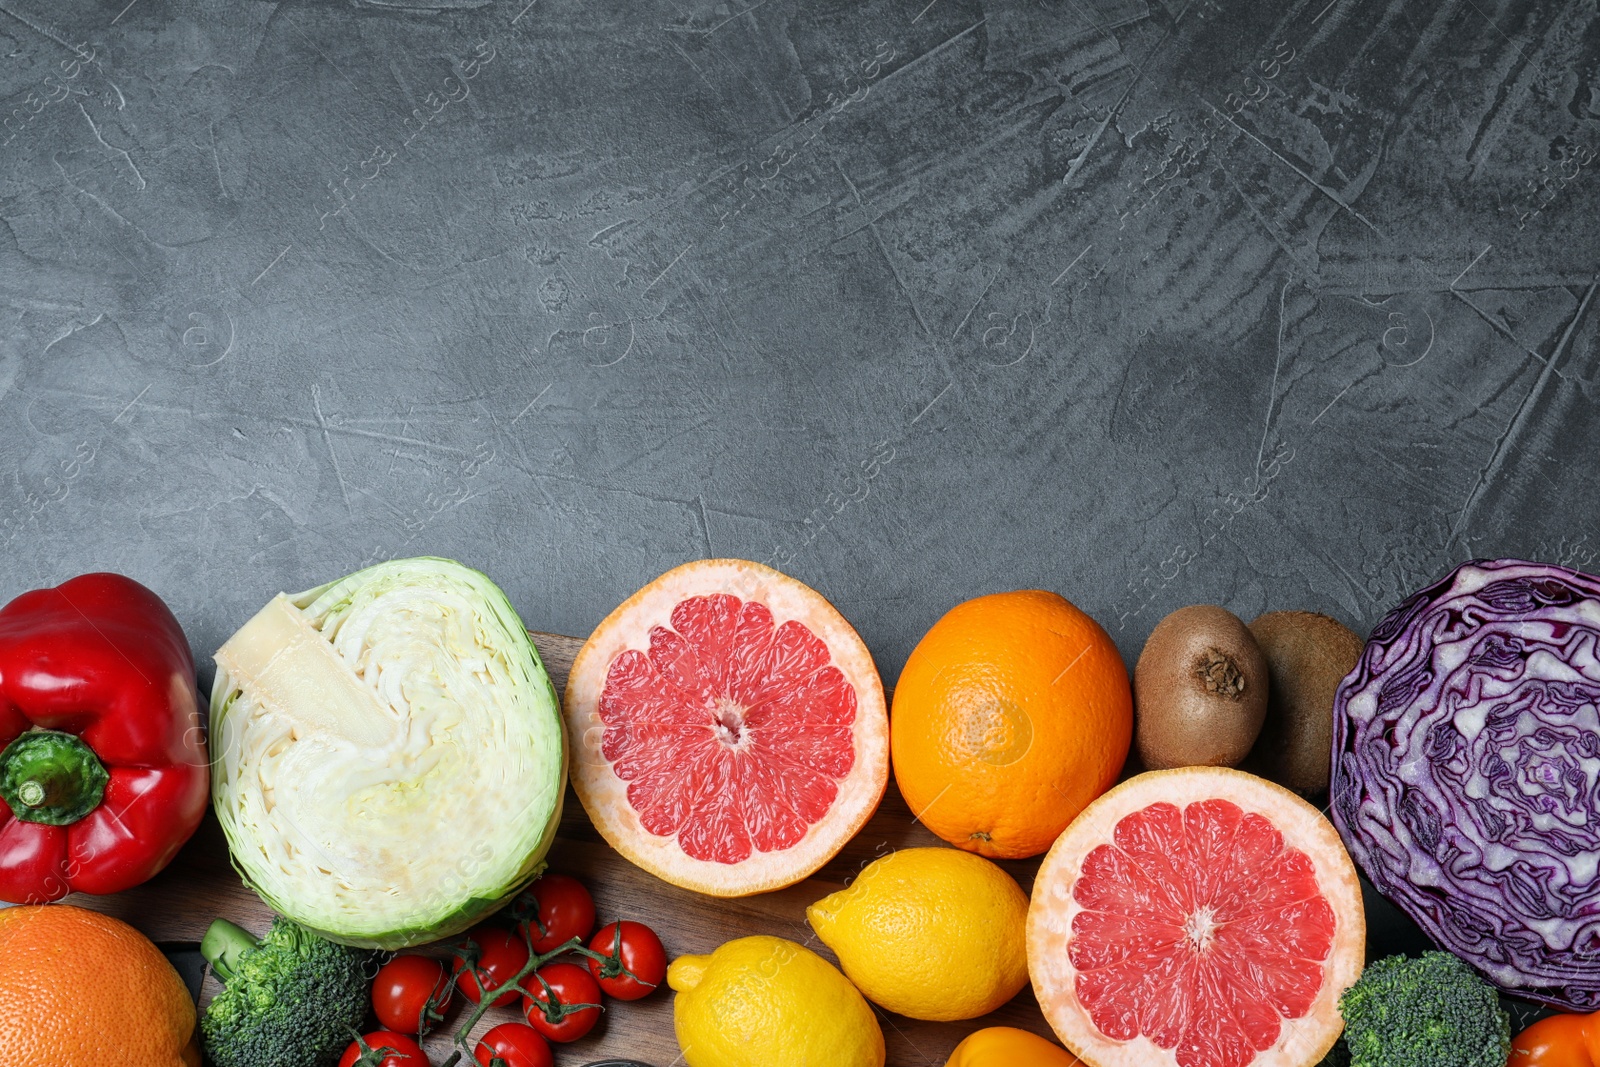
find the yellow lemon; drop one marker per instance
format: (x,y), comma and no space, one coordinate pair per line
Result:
(1005,1046)
(932,933)
(764,1001)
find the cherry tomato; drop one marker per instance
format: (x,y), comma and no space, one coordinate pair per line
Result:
(553,911)
(635,961)
(518,1044)
(565,1003)
(500,955)
(384,1049)
(410,994)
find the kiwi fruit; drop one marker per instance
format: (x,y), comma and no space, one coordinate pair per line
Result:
(1199,690)
(1308,655)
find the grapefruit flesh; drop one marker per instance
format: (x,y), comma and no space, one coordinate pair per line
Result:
(729,729)
(1201,917)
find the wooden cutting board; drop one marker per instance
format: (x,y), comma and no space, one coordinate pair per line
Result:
(177,905)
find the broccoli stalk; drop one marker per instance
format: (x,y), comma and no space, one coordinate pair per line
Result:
(224,945)
(292,999)
(1432,1011)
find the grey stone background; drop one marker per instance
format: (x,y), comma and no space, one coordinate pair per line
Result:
(1148,302)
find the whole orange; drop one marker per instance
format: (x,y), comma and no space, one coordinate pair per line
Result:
(1011,715)
(82,989)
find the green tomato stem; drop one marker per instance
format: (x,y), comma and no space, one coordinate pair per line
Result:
(610,962)
(535,961)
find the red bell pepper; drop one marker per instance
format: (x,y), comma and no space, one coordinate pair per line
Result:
(103,769)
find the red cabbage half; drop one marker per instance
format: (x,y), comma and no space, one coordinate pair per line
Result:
(1466,776)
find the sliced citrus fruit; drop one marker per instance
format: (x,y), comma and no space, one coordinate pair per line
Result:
(1201,916)
(728,728)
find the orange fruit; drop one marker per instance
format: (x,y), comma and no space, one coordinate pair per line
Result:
(1006,1046)
(728,729)
(1200,917)
(82,989)
(1011,715)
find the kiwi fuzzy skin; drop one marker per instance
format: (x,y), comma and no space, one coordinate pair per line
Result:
(1308,655)
(1199,690)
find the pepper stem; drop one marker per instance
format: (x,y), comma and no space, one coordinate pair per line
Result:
(51,777)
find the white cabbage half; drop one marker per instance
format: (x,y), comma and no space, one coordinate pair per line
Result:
(388,753)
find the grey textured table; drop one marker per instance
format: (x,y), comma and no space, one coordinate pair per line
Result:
(1147,303)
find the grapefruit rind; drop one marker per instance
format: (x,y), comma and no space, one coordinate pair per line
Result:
(604,794)
(1303,1042)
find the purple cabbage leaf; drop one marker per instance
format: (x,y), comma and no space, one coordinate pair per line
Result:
(1466,776)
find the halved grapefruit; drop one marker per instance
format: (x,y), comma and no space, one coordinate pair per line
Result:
(1201,917)
(728,729)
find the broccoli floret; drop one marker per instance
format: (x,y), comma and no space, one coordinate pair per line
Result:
(291,1000)
(1431,1011)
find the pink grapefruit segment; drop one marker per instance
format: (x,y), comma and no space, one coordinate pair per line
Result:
(1200,917)
(732,719)
(729,728)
